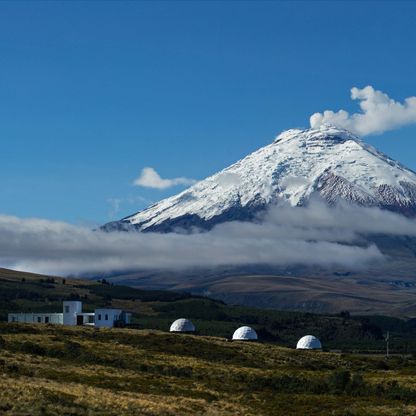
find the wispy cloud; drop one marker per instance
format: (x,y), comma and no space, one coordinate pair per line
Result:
(129,202)
(314,235)
(379,113)
(114,207)
(149,178)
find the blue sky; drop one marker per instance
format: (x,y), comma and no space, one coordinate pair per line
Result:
(92,92)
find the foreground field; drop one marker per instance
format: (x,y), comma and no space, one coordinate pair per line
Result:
(56,370)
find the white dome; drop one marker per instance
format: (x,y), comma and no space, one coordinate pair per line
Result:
(182,325)
(309,342)
(245,333)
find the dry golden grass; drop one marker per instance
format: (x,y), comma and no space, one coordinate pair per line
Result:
(51,370)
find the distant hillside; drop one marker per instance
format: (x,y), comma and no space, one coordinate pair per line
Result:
(388,288)
(156,309)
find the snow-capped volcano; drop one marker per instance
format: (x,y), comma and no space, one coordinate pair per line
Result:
(327,161)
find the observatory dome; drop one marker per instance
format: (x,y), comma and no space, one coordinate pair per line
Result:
(245,333)
(309,342)
(182,325)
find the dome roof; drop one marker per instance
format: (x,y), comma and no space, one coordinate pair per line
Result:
(182,325)
(245,333)
(309,342)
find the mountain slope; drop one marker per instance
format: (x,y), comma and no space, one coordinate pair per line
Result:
(327,161)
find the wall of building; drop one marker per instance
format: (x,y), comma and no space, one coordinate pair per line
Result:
(71,308)
(105,318)
(36,318)
(87,318)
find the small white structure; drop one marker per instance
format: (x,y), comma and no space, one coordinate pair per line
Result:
(71,309)
(182,325)
(107,318)
(245,333)
(309,342)
(72,315)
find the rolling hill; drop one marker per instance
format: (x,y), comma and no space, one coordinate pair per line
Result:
(157,309)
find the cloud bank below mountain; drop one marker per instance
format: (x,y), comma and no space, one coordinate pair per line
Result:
(314,236)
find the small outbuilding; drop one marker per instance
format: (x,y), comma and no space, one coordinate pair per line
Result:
(245,333)
(182,325)
(108,318)
(309,342)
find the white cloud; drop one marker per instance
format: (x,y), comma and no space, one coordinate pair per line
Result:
(149,178)
(114,207)
(379,113)
(313,236)
(119,204)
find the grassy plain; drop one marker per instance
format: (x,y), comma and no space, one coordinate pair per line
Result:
(56,370)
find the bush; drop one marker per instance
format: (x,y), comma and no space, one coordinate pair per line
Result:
(72,349)
(357,382)
(32,348)
(339,380)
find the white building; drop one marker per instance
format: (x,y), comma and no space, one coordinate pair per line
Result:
(245,333)
(107,318)
(309,342)
(71,309)
(72,315)
(182,325)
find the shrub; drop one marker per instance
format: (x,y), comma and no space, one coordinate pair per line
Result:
(339,380)
(72,349)
(357,382)
(32,348)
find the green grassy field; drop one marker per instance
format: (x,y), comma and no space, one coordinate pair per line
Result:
(57,370)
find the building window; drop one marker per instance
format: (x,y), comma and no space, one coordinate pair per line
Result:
(66,309)
(99,317)
(46,319)
(13,319)
(39,319)
(106,317)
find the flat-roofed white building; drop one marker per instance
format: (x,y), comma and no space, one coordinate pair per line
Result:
(107,318)
(72,315)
